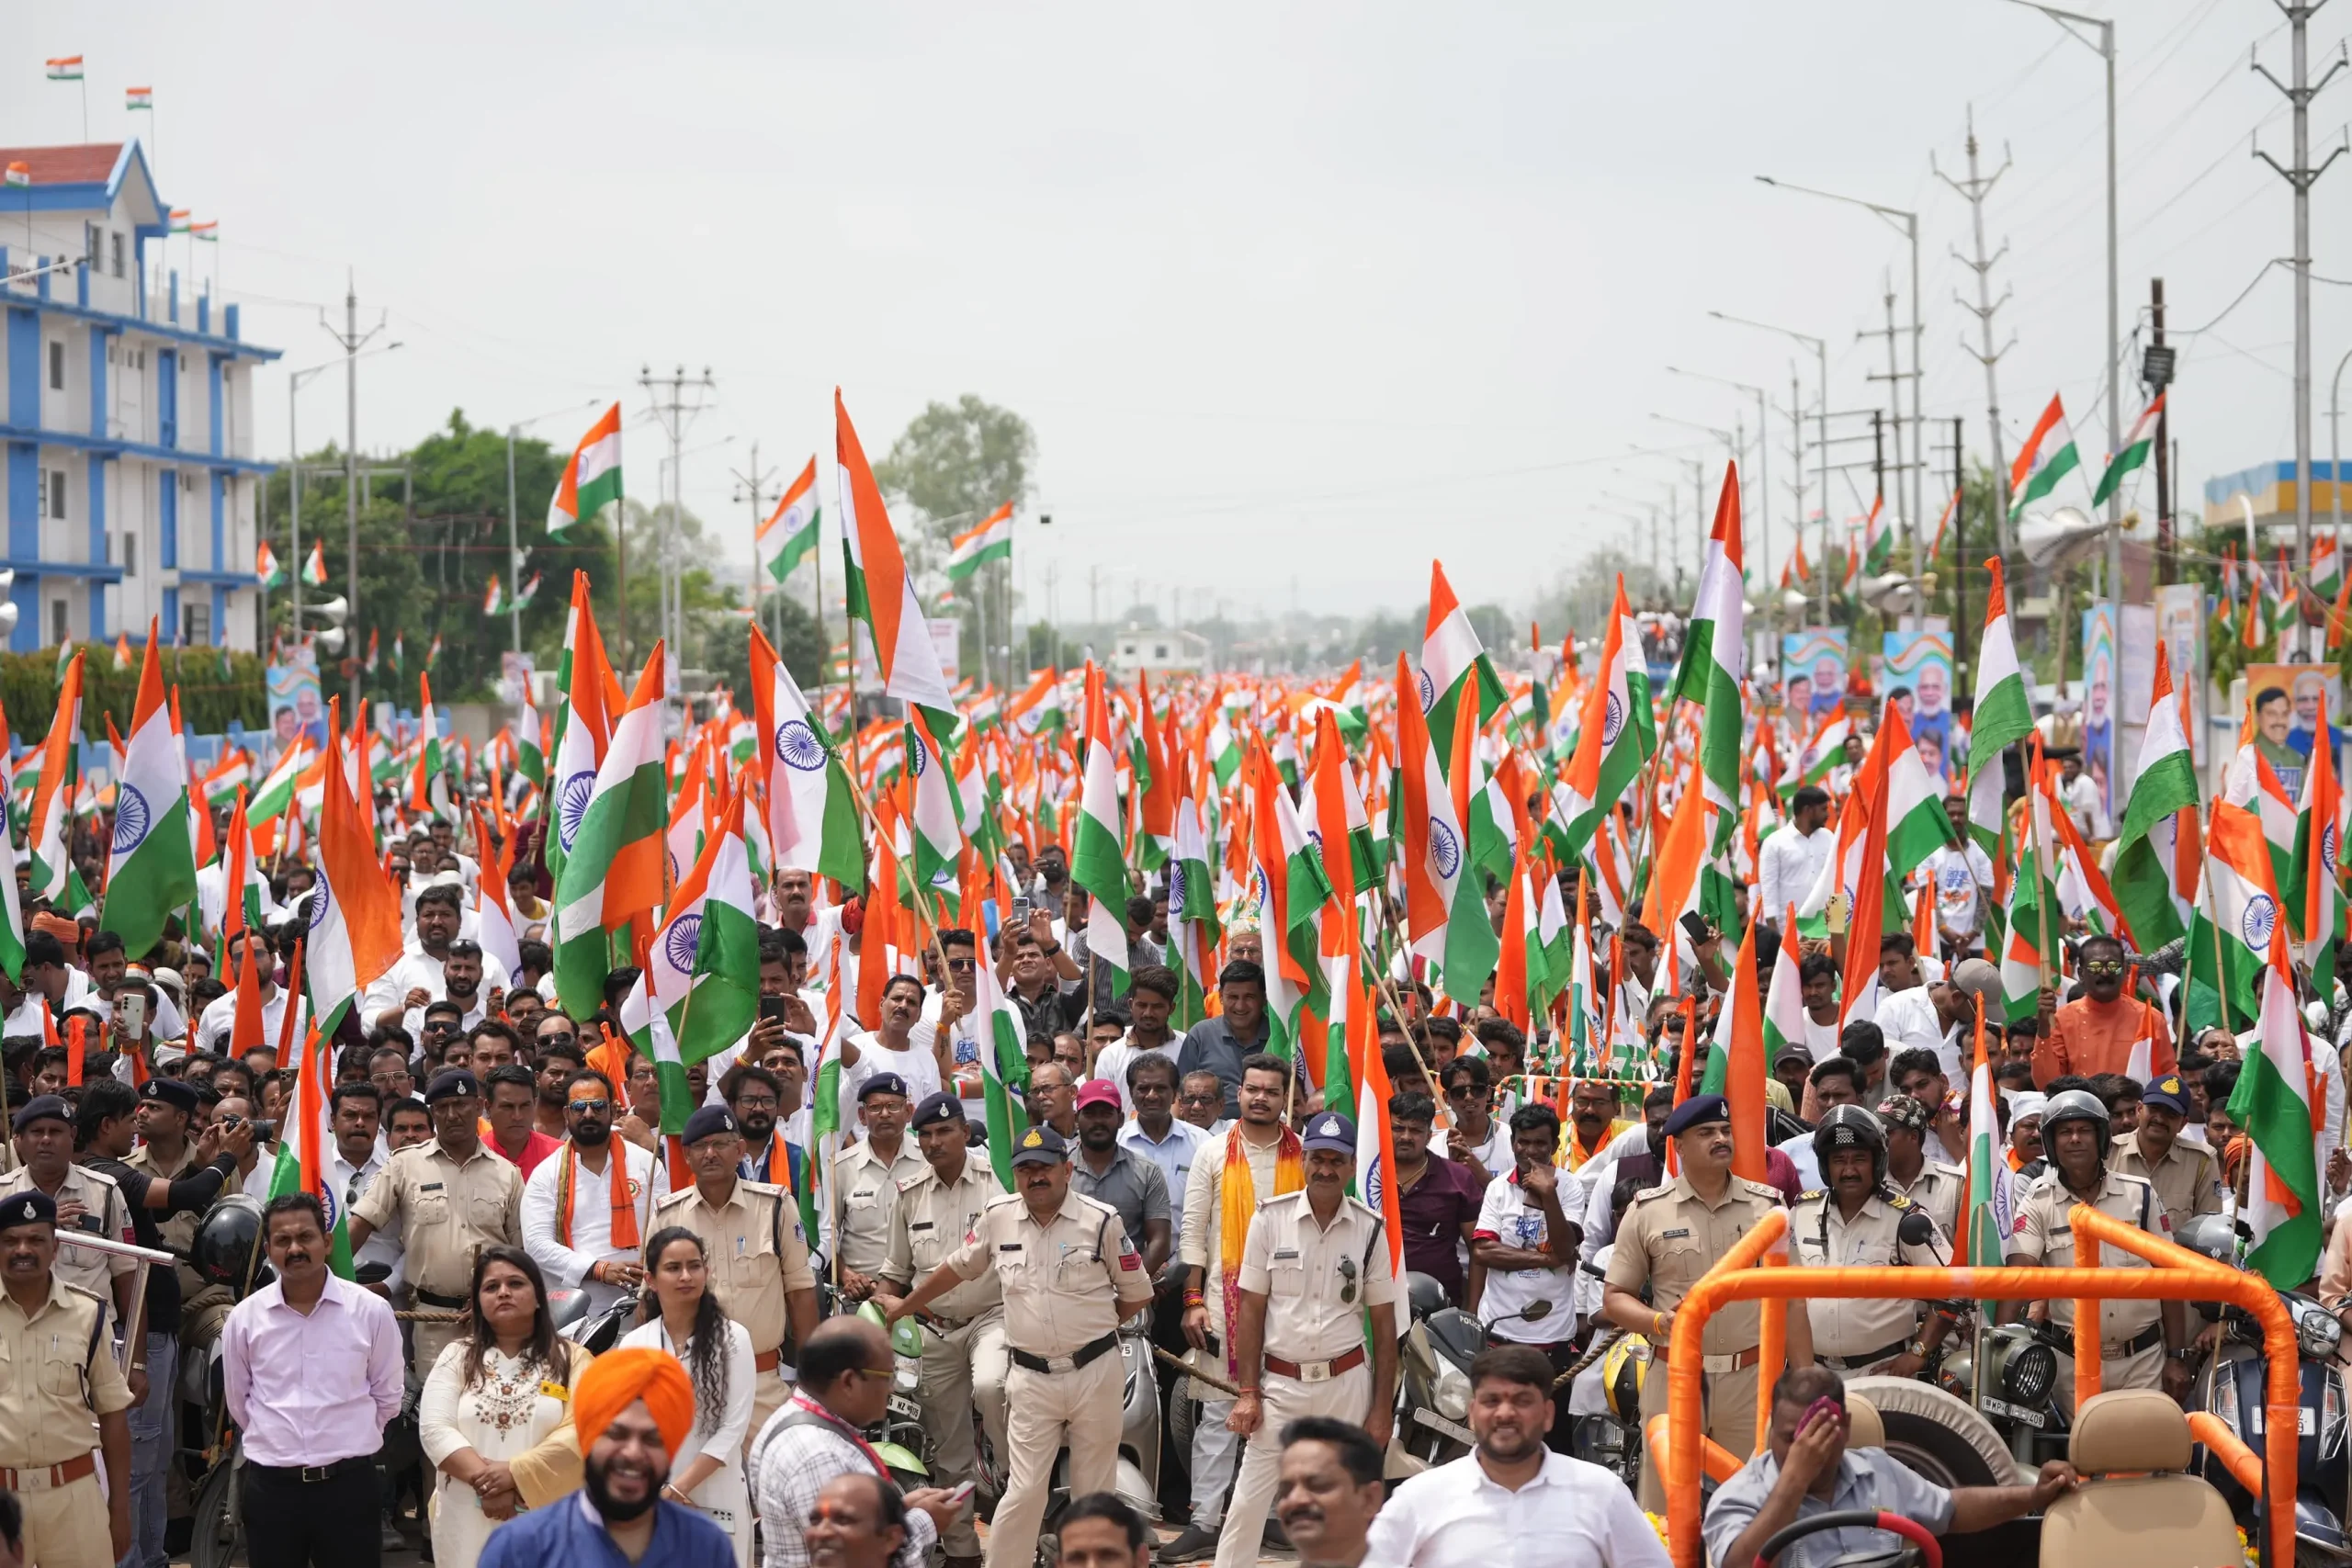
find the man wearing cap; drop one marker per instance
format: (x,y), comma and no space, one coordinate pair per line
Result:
(1855,1221)
(868,1175)
(1913,1167)
(60,1355)
(758,1254)
(964,1359)
(448,1198)
(1070,1275)
(2185,1175)
(1110,1174)
(88,1201)
(1315,1260)
(1669,1237)
(166,1109)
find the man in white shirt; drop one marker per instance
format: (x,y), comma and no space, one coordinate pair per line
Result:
(398,997)
(48,978)
(220,1015)
(1962,878)
(1151,997)
(357,1158)
(2079,794)
(1790,861)
(1906,1013)
(1510,1499)
(568,1202)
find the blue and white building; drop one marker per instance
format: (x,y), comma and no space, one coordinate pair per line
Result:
(131,489)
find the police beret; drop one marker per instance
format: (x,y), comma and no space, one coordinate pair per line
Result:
(171,1092)
(882,1083)
(2168,1091)
(1332,1131)
(708,1123)
(28,1208)
(1039,1145)
(936,1110)
(40,1107)
(451,1084)
(1695,1111)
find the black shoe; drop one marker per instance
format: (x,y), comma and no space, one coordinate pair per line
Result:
(1195,1545)
(1275,1538)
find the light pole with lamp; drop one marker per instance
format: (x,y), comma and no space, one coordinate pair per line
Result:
(1821,358)
(294,382)
(1763,447)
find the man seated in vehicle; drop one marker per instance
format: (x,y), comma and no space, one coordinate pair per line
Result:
(1806,1469)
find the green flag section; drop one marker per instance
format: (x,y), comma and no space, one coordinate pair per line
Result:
(2314,892)
(2003,713)
(1098,855)
(1784,1013)
(2282,1215)
(1445,909)
(2149,881)
(50,828)
(151,865)
(936,813)
(2036,921)
(2237,909)
(2047,457)
(1193,930)
(1453,662)
(302,1154)
(1610,734)
(612,873)
(1917,824)
(1714,651)
(2134,456)
(1005,1069)
(592,478)
(703,966)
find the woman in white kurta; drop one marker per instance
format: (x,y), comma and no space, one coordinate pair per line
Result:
(707,1470)
(495,1416)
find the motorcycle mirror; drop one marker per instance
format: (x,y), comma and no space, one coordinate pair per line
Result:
(1915,1229)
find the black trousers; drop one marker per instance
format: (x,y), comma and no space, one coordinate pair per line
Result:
(333,1523)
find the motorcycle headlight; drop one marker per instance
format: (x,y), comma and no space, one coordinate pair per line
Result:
(2317,1333)
(2223,1398)
(908,1376)
(1453,1392)
(2031,1369)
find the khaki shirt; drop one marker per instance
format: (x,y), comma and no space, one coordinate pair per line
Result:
(757,1252)
(1067,1282)
(2044,1236)
(930,1220)
(1935,1189)
(1303,1267)
(1820,1236)
(869,1191)
(57,1369)
(178,1232)
(2186,1180)
(1670,1237)
(446,1211)
(101,1200)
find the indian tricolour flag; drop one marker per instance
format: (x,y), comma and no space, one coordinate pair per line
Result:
(1784,1014)
(2314,890)
(314,570)
(354,932)
(493,917)
(1453,661)
(66,68)
(150,867)
(612,873)
(1004,1065)
(1193,927)
(592,478)
(790,534)
(1609,752)
(50,827)
(2134,456)
(989,540)
(2282,1216)
(1714,652)
(1736,1067)
(2003,713)
(266,567)
(2047,457)
(1820,756)
(812,818)
(302,1154)
(937,816)
(1445,910)
(1097,861)
(2152,883)
(1294,890)
(1917,823)
(1988,1210)
(2036,922)
(493,603)
(2237,909)
(1878,536)
(704,967)
(881,592)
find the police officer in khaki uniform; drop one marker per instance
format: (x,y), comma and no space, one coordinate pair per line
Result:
(1856,1222)
(1315,1260)
(88,1202)
(1069,1276)
(1671,1236)
(2142,1343)
(167,1153)
(1914,1164)
(758,1255)
(2186,1180)
(449,1198)
(57,1372)
(964,1357)
(868,1175)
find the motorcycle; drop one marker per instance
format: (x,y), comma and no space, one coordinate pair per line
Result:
(900,1438)
(2021,1386)
(595,1332)
(1433,1390)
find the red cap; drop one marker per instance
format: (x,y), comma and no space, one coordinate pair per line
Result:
(1099,1091)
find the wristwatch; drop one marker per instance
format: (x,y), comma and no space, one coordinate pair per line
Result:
(2180,1355)
(1916,1348)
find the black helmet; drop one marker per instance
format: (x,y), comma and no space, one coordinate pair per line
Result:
(1850,1127)
(2076,1105)
(225,1242)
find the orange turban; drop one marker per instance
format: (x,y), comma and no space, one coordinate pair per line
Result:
(618,1379)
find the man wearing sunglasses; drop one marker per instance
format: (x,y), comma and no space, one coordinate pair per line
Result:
(1313,1261)
(583,1221)
(2098,1032)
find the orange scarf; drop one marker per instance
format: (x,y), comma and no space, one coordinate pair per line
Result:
(779,1162)
(624,1206)
(1237,1204)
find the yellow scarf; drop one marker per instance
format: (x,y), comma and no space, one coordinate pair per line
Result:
(1237,1202)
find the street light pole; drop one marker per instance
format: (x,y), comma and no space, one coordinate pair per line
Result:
(1820,347)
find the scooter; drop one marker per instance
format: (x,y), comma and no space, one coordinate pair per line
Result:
(1138,1466)
(1433,1390)
(900,1439)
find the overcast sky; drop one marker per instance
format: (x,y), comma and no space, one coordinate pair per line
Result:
(1296,298)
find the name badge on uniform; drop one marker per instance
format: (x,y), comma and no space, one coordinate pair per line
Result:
(1682,1234)
(1008,1246)
(917,1224)
(1285,1252)
(555,1390)
(430,1186)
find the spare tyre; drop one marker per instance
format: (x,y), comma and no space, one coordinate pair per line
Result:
(1941,1437)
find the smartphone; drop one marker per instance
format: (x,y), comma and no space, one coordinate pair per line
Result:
(1825,1406)
(1020,908)
(772,1007)
(1696,927)
(959,1495)
(130,1017)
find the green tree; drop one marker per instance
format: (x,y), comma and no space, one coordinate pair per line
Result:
(952,465)
(799,642)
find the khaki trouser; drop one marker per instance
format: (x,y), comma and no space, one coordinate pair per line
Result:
(769,1391)
(431,1338)
(67,1527)
(1731,1420)
(1284,1400)
(2144,1369)
(962,1367)
(1043,1411)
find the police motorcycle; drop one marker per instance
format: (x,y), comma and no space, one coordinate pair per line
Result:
(2232,1386)
(1433,1385)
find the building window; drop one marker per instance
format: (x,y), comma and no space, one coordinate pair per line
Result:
(117,252)
(57,494)
(94,253)
(56,365)
(130,554)
(196,625)
(60,629)
(1160,652)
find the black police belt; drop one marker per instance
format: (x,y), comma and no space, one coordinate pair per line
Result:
(1083,1356)
(2111,1350)
(1869,1358)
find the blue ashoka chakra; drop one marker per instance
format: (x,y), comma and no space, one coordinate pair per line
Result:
(131,816)
(918,759)
(320,898)
(1446,849)
(2327,848)
(1613,719)
(1176,894)
(571,805)
(680,945)
(798,748)
(2261,914)
(330,1202)
(1429,691)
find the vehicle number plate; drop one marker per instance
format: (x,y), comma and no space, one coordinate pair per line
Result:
(2016,1413)
(2306,1420)
(906,1407)
(1437,1423)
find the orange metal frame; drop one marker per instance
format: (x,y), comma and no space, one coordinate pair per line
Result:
(2177,1274)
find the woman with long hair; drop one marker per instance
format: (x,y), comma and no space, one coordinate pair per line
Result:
(684,1318)
(495,1416)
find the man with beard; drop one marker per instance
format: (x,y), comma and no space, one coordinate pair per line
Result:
(310,1369)
(756,1096)
(632,1408)
(421,974)
(1331,1489)
(1485,1507)
(1126,1180)
(213,1025)
(586,1208)
(1437,1201)
(1856,1221)
(554,1068)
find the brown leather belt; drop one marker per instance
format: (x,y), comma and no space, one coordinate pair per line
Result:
(1316,1371)
(1731,1360)
(55,1476)
(768,1361)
